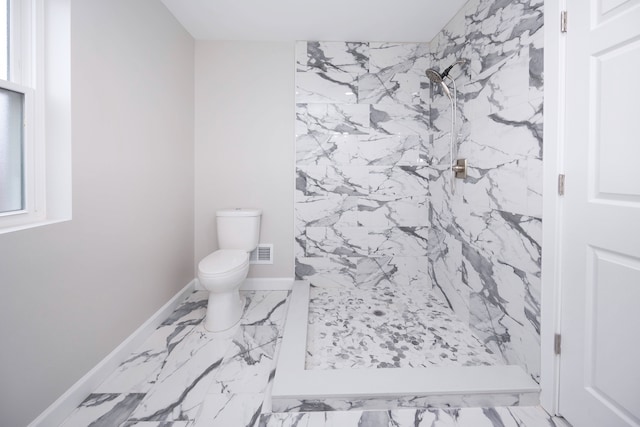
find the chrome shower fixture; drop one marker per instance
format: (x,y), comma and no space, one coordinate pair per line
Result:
(438,78)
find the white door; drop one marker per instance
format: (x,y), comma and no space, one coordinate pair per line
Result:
(600,323)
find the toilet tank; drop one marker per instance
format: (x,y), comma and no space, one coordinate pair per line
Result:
(238,228)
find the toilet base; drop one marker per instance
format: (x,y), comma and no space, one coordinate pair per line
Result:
(224,311)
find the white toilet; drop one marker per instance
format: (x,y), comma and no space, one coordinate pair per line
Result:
(223,271)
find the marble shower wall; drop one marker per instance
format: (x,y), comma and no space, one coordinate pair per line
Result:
(362,136)
(374,201)
(485,236)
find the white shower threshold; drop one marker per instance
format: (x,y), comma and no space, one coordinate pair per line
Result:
(298,389)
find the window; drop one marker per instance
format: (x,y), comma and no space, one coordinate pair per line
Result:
(12,188)
(35,185)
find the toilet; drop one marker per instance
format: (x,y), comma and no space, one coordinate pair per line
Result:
(223,271)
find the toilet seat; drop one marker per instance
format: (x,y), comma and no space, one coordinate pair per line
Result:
(223,262)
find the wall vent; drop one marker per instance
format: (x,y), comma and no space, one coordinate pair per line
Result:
(263,254)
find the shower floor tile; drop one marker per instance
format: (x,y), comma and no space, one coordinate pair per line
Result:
(388,326)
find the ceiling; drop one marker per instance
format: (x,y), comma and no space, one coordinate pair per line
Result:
(327,20)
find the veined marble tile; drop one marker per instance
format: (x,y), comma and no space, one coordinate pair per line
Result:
(504,187)
(301,56)
(404,181)
(534,187)
(386,326)
(501,260)
(390,87)
(447,272)
(339,241)
(511,238)
(329,88)
(264,308)
(507,87)
(301,124)
(398,241)
(402,271)
(406,404)
(158,424)
(408,57)
(326,149)
(184,379)
(141,370)
(327,210)
(328,271)
(191,311)
(390,150)
(333,118)
(110,409)
(222,410)
(399,119)
(393,211)
(248,363)
(316,180)
(513,133)
(345,57)
(431,417)
(515,342)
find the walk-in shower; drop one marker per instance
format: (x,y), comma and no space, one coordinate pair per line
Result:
(409,294)
(458,166)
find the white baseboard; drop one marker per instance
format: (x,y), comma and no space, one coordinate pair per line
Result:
(63,407)
(260,284)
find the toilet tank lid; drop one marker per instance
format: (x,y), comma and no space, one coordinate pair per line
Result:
(239,212)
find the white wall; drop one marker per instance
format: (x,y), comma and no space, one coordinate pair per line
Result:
(71,292)
(244,142)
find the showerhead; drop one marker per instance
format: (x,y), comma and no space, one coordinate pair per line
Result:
(438,78)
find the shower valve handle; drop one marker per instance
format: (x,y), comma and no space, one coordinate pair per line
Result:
(460,168)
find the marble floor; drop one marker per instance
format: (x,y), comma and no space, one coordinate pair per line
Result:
(388,326)
(183,376)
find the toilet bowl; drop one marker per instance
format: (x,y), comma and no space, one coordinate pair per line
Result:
(222,272)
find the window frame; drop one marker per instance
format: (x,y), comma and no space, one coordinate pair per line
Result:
(29,193)
(39,67)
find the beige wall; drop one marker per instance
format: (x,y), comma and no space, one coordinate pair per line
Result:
(71,292)
(244,142)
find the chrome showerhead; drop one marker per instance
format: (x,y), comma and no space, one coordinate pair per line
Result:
(437,78)
(433,75)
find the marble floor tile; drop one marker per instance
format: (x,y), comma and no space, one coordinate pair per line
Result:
(465,417)
(248,363)
(194,378)
(184,379)
(140,371)
(158,424)
(226,410)
(103,410)
(385,327)
(264,308)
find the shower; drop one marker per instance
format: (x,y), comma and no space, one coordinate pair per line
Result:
(459,169)
(438,78)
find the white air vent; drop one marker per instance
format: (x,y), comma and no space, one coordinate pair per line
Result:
(263,254)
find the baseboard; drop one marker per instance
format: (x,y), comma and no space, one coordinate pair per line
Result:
(260,284)
(63,407)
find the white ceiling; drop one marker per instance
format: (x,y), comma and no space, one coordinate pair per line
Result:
(337,20)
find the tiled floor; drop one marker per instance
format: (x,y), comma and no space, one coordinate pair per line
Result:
(183,376)
(385,327)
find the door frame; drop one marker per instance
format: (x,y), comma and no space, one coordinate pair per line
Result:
(553,165)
